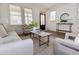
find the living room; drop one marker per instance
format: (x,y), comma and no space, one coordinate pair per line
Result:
(39,28)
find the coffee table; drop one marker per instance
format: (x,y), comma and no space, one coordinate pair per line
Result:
(40,35)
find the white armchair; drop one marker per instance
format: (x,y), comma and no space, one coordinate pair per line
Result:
(65,47)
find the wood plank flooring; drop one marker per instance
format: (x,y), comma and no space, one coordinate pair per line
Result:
(57,34)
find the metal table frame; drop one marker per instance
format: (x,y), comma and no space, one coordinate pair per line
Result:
(40,41)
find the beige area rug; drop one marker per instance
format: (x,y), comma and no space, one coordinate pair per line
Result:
(42,50)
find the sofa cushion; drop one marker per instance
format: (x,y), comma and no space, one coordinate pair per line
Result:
(5,27)
(22,47)
(3,32)
(12,37)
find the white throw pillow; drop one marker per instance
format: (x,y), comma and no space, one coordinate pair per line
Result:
(5,27)
(3,32)
(70,34)
(77,40)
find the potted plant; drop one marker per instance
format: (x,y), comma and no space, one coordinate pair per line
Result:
(63,21)
(32,25)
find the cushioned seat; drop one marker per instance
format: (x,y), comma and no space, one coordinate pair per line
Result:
(65,47)
(24,47)
(13,45)
(12,37)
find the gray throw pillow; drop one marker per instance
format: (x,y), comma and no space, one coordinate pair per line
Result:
(3,32)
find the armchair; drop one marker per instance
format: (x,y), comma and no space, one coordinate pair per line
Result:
(65,47)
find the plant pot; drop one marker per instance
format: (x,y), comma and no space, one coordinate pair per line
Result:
(63,21)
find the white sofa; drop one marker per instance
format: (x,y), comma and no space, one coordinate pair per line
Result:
(13,45)
(65,46)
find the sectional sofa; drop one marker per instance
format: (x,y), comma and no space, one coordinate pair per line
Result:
(14,45)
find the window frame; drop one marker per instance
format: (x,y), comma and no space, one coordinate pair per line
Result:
(52,16)
(27,15)
(15,15)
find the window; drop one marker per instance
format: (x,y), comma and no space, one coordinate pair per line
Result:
(53,16)
(15,15)
(28,16)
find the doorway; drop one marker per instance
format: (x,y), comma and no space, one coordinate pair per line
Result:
(42,21)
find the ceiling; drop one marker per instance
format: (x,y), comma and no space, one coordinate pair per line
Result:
(41,6)
(37,5)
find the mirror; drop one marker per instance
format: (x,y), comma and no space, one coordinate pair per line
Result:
(64,17)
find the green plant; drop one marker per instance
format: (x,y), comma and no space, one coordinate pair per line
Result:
(33,23)
(63,21)
(30,26)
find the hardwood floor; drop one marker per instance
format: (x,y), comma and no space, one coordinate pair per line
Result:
(57,34)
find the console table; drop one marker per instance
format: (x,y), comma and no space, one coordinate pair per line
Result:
(69,25)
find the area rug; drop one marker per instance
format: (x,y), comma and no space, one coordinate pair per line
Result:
(42,50)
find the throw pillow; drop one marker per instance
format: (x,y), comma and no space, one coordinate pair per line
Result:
(71,38)
(5,27)
(77,40)
(3,32)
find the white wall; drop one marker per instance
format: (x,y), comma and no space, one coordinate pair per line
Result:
(4,14)
(65,8)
